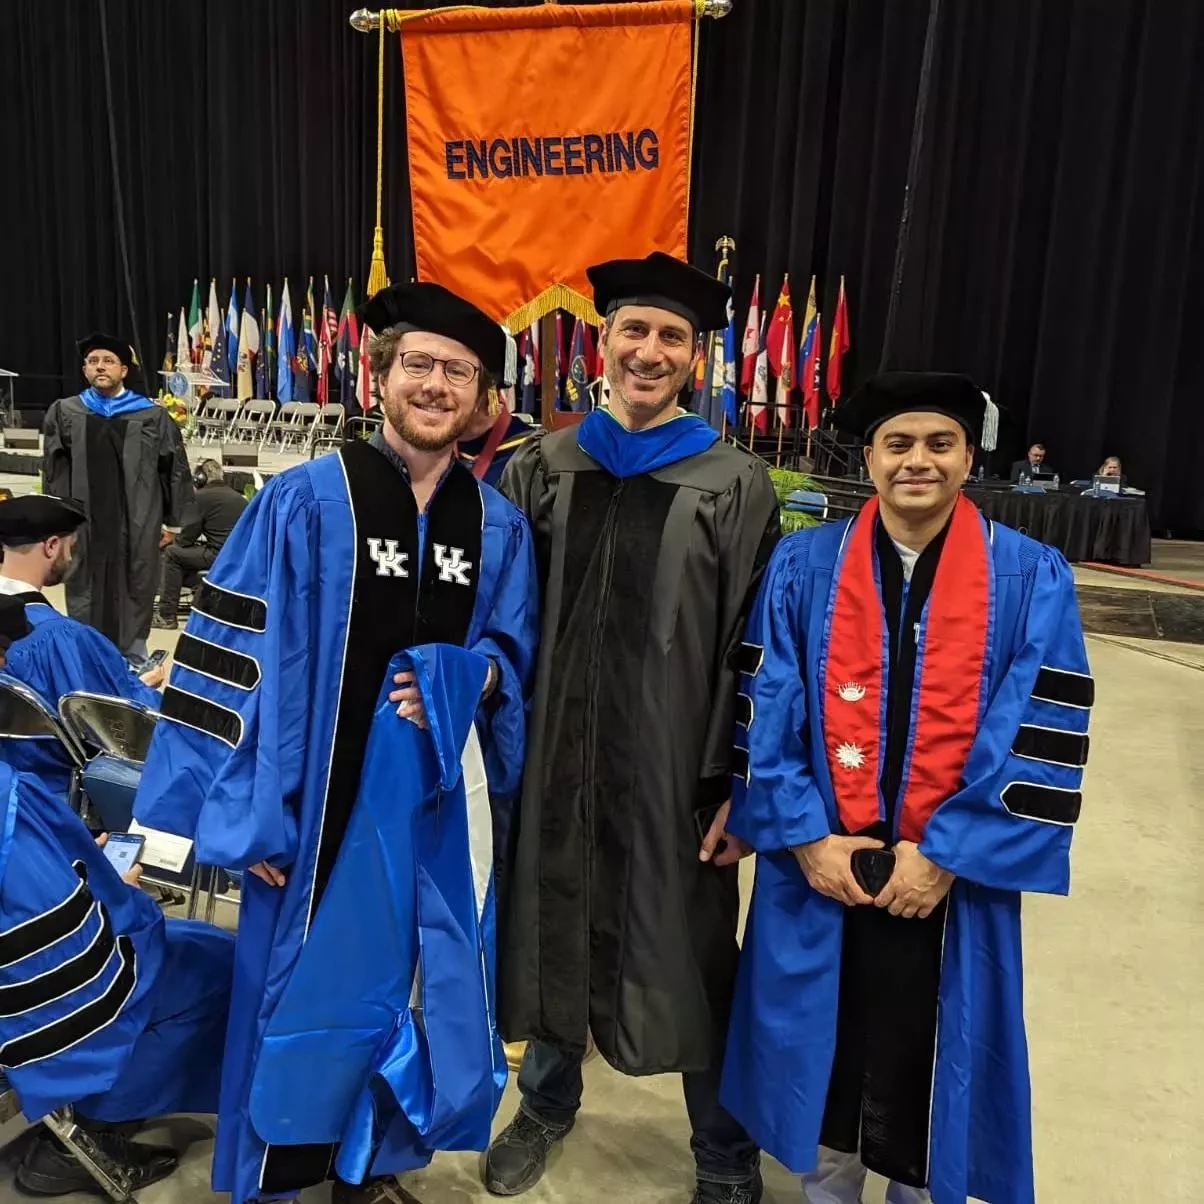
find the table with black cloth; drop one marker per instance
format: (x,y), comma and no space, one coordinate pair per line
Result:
(1115,530)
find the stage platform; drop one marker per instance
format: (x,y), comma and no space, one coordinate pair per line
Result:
(1162,602)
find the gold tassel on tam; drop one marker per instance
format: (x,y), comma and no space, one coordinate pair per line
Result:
(378,278)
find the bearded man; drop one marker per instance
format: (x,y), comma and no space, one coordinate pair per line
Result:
(380,580)
(650,535)
(58,654)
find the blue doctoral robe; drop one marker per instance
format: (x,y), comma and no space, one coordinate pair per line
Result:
(103,1003)
(268,709)
(58,656)
(384,1040)
(989,834)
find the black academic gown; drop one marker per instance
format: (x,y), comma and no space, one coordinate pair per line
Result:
(611,922)
(131,473)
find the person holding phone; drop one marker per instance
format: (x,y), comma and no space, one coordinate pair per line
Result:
(910,759)
(104,1004)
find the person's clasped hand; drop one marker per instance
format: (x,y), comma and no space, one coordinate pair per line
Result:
(916,886)
(828,867)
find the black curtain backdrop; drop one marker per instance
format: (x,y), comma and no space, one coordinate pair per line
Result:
(1056,250)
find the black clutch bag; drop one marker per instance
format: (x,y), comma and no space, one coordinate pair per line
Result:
(872,868)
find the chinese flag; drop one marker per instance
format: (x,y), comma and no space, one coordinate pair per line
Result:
(779,345)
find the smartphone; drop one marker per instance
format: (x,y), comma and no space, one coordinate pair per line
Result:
(156,658)
(123,850)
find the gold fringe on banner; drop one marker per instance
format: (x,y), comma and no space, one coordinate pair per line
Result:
(557,296)
(378,276)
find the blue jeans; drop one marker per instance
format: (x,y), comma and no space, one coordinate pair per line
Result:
(550,1082)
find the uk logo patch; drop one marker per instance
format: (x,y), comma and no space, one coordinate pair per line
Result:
(388,559)
(453,568)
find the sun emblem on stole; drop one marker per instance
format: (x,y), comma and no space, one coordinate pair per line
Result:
(850,756)
(851,692)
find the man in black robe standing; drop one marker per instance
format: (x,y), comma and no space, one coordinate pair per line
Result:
(620,921)
(122,457)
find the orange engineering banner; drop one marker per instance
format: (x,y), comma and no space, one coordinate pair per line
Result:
(542,140)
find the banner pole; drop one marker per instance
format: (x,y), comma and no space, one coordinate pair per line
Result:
(367,20)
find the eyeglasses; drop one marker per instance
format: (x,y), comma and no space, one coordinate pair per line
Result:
(419,365)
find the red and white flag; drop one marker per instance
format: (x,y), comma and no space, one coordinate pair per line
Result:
(751,346)
(758,406)
(363,382)
(779,343)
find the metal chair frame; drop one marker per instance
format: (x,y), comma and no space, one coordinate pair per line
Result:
(253,422)
(45,724)
(112,1179)
(327,429)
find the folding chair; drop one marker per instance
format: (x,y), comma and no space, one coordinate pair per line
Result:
(119,732)
(253,422)
(109,1177)
(26,715)
(327,428)
(361,427)
(215,419)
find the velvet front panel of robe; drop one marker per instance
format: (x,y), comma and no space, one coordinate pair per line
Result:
(612,923)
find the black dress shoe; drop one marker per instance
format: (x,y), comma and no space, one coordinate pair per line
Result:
(48,1169)
(747,1192)
(517,1158)
(164,624)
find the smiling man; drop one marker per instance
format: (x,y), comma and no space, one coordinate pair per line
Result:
(650,535)
(336,567)
(911,755)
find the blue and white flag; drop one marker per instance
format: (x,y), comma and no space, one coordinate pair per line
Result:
(728,411)
(232,324)
(286,348)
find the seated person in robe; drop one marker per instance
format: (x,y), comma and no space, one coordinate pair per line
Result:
(104,1004)
(59,655)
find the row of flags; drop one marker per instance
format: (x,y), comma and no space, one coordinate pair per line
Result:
(767,352)
(264,352)
(575,366)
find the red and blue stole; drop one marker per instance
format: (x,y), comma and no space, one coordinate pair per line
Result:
(949,681)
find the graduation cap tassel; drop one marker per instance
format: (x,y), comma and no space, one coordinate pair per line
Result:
(510,376)
(990,424)
(378,278)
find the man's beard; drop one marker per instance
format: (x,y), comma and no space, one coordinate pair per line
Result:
(61,570)
(420,438)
